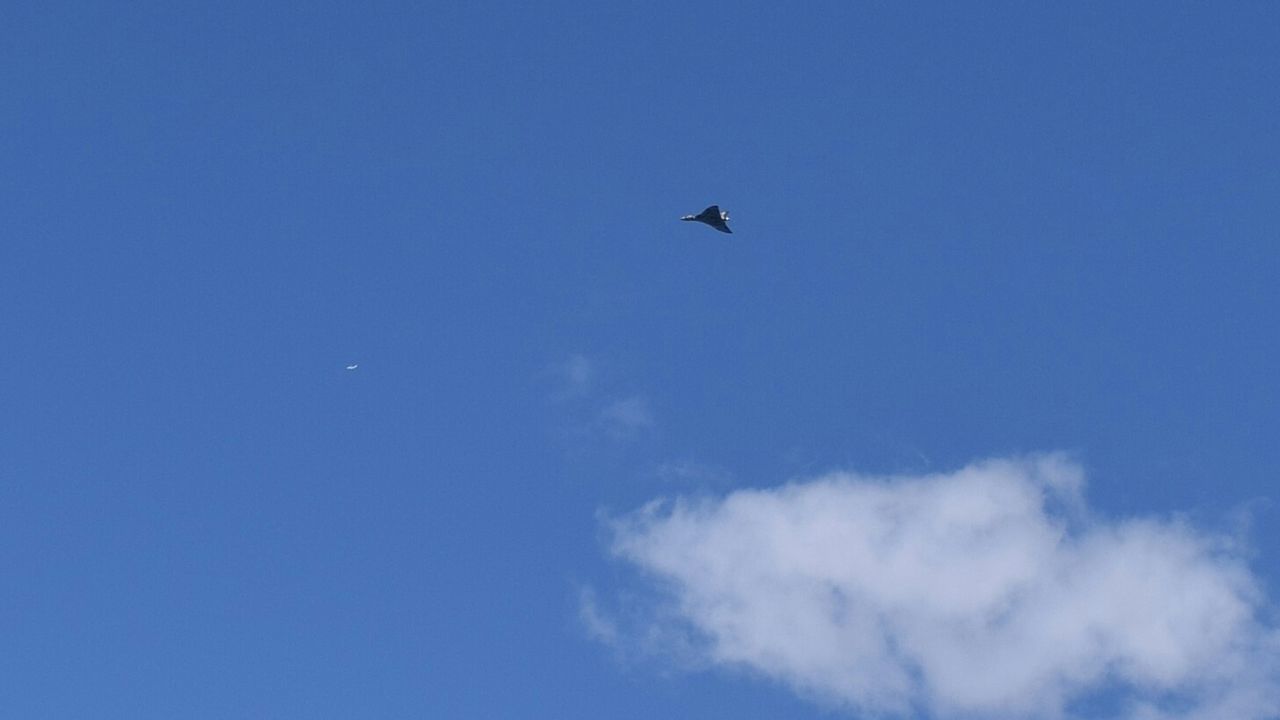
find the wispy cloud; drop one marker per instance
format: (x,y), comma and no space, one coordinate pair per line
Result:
(990,592)
(576,376)
(691,473)
(627,416)
(598,625)
(593,408)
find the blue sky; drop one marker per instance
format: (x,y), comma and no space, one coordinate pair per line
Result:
(961,233)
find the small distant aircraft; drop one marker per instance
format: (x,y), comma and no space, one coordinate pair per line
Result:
(353,367)
(713,217)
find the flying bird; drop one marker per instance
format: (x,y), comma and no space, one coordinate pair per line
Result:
(353,367)
(712,216)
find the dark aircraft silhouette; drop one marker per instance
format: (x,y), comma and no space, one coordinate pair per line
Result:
(713,217)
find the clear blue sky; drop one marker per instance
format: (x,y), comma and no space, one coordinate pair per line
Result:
(960,232)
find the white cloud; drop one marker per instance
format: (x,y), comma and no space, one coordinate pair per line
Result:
(688,472)
(590,410)
(576,375)
(985,593)
(598,625)
(627,416)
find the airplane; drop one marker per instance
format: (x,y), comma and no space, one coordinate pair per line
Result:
(713,217)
